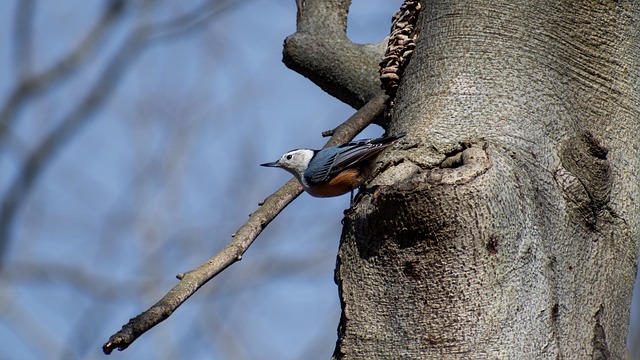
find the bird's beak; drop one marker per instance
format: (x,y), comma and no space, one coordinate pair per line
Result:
(271,164)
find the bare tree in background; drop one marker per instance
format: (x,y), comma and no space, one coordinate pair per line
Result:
(30,84)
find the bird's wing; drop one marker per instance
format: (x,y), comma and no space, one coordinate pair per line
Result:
(331,161)
(354,154)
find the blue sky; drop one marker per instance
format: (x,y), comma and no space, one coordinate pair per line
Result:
(157,181)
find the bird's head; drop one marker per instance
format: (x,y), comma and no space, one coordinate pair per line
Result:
(294,161)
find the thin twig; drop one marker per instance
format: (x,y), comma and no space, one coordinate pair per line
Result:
(191,281)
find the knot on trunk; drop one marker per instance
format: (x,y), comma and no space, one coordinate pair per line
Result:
(587,184)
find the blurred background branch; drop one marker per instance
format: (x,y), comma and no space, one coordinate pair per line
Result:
(29,86)
(22,55)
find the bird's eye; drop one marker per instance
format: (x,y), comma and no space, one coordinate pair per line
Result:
(288,157)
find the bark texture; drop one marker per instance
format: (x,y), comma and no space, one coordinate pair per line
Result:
(505,224)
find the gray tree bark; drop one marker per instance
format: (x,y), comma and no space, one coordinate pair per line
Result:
(505,225)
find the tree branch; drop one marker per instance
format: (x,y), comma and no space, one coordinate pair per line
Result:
(361,119)
(321,51)
(242,239)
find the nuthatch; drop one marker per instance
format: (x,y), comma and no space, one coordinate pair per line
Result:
(335,170)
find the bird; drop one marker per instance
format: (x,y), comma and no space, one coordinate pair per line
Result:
(335,170)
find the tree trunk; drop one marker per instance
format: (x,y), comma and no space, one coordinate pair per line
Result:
(505,223)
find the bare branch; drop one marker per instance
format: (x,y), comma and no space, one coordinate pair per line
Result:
(321,51)
(33,85)
(242,240)
(361,119)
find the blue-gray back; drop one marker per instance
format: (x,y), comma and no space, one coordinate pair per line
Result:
(330,161)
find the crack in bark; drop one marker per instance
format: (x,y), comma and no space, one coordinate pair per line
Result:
(600,347)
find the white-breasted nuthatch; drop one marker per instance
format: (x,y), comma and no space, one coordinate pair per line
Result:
(335,170)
